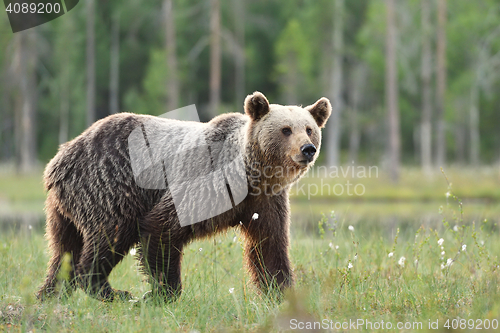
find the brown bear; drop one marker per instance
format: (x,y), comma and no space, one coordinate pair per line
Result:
(96,210)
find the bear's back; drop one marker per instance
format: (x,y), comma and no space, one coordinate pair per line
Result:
(92,175)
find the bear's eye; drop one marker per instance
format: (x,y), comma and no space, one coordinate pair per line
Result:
(286,131)
(309,131)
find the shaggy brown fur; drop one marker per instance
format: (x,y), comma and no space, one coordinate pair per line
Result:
(96,212)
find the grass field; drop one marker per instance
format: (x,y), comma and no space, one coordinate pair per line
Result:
(343,276)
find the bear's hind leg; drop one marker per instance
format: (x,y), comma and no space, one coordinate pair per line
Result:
(161,260)
(96,262)
(63,238)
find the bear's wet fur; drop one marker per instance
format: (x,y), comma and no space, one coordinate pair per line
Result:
(96,212)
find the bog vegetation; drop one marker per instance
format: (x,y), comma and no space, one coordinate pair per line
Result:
(406,275)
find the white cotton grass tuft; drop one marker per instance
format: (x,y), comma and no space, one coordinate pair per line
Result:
(390,254)
(351,228)
(449,262)
(440,241)
(255,216)
(333,247)
(401,261)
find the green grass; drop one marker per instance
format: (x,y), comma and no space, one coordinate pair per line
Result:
(375,288)
(16,187)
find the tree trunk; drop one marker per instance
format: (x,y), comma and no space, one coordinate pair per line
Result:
(239,73)
(485,74)
(170,43)
(356,90)
(64,111)
(291,79)
(215,58)
(7,115)
(460,133)
(426,73)
(474,123)
(114,66)
(91,114)
(64,93)
(441,83)
(24,66)
(333,125)
(391,93)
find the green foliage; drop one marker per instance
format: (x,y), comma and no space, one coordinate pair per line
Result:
(152,101)
(288,55)
(294,58)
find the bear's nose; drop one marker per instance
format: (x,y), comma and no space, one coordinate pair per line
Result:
(308,151)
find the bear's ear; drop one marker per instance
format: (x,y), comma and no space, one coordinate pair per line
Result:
(321,111)
(256,105)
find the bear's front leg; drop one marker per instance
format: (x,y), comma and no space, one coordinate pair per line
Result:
(267,241)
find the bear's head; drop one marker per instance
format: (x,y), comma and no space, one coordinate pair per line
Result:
(288,138)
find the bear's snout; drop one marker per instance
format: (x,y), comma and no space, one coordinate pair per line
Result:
(308,151)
